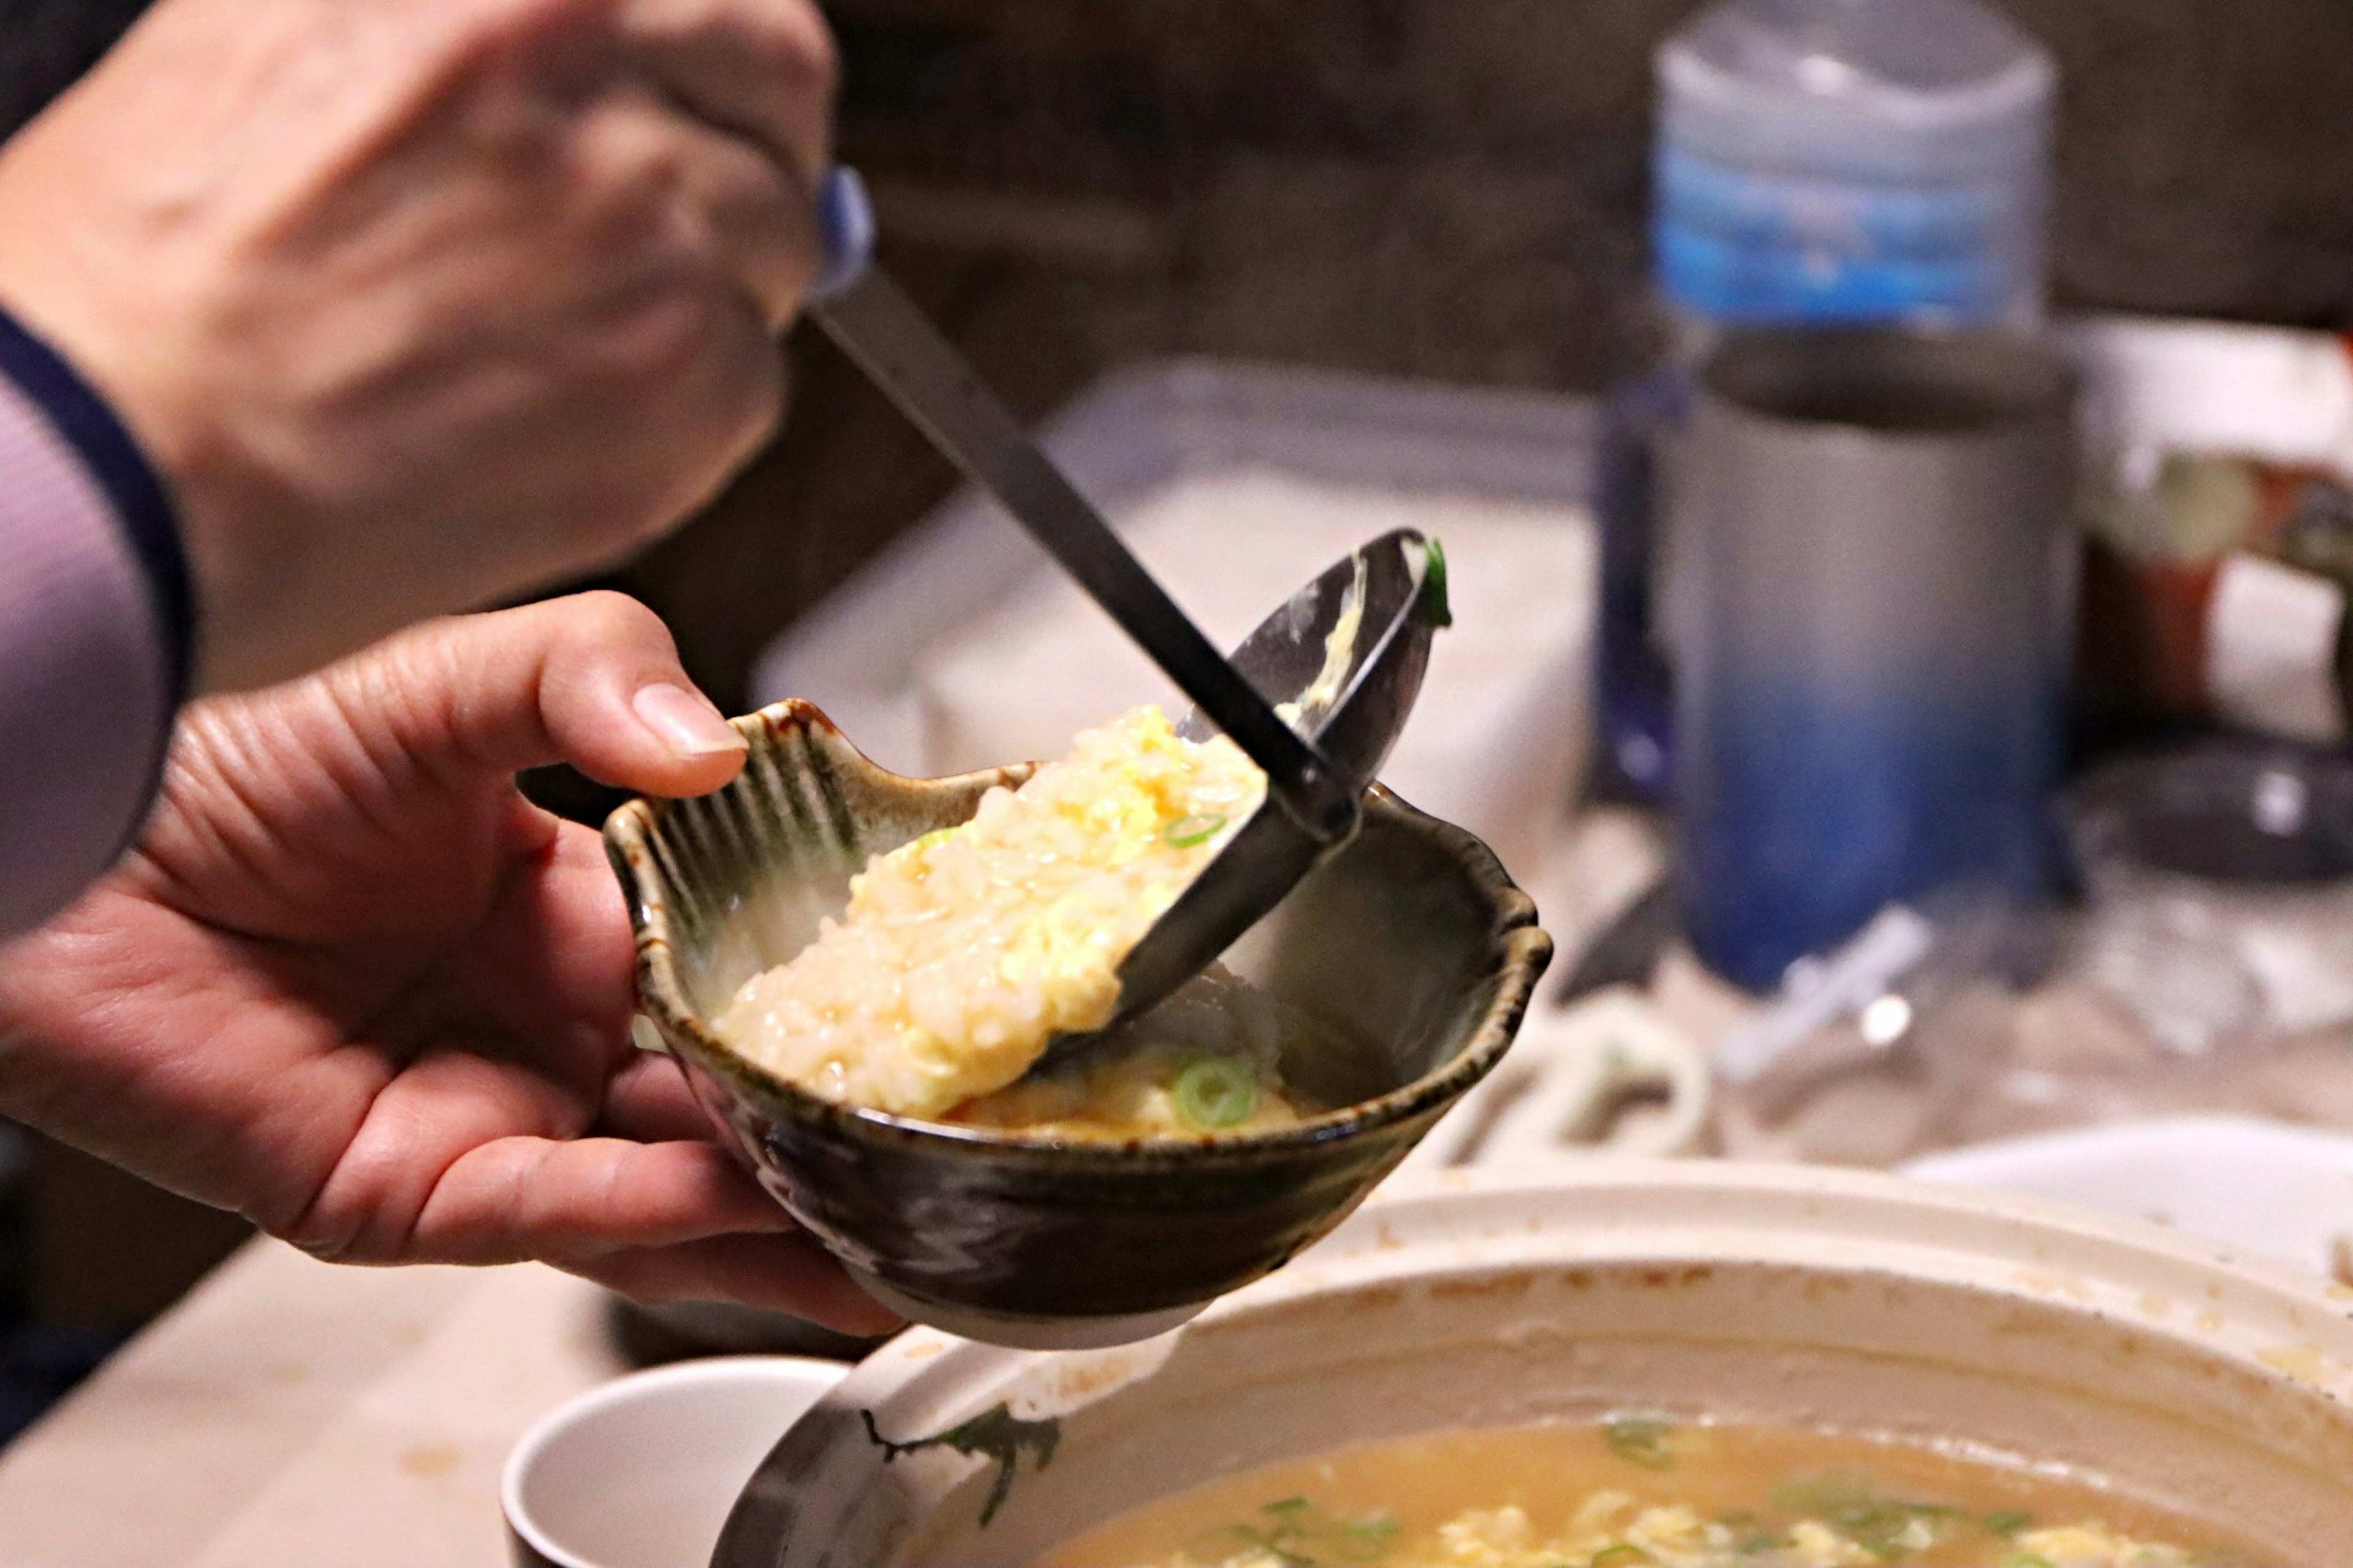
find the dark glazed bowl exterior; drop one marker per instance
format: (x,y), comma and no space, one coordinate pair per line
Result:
(1412,936)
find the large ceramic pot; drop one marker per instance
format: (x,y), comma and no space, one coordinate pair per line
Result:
(1833,1300)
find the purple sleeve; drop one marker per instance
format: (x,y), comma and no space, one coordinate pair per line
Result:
(95,624)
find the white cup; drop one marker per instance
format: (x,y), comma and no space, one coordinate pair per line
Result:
(641,1472)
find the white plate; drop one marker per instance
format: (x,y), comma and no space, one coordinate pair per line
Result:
(2274,1189)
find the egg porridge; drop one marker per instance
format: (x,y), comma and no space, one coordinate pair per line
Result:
(1641,1491)
(963,954)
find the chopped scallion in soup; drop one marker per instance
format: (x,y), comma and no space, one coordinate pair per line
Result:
(1642,1490)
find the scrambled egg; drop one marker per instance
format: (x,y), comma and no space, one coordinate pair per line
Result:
(1610,1531)
(1609,1527)
(962,954)
(2090,1546)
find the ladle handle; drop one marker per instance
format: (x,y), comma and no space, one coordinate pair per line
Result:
(863,311)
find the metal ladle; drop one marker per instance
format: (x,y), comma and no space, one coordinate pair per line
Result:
(1402,602)
(1316,765)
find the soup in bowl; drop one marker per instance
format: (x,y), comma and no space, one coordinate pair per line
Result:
(1624,1364)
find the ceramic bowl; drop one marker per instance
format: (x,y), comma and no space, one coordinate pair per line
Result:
(1833,1300)
(1412,936)
(641,1472)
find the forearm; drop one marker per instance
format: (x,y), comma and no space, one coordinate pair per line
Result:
(94,633)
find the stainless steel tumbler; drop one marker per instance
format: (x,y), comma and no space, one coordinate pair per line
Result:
(1870,602)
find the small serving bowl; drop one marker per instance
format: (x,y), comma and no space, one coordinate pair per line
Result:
(642,1471)
(1412,936)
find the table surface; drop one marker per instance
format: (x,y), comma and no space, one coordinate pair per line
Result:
(293,1412)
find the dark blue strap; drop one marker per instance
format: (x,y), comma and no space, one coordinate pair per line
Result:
(140,503)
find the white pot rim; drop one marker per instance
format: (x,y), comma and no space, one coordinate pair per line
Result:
(2213,1327)
(1613,1209)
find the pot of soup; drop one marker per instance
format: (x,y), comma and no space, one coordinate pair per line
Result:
(1691,1364)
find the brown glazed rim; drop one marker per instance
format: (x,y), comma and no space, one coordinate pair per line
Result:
(1522,951)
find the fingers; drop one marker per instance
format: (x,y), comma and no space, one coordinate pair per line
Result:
(763,70)
(700,206)
(656,1220)
(572,1200)
(778,1273)
(592,680)
(621,709)
(649,1100)
(747,86)
(763,227)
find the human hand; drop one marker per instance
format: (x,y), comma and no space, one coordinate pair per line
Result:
(417,303)
(352,985)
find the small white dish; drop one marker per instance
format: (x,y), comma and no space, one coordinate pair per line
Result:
(2265,1187)
(641,1472)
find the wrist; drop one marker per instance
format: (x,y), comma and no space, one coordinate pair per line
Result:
(103,341)
(134,494)
(96,628)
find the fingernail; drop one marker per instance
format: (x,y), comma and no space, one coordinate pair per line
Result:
(686,722)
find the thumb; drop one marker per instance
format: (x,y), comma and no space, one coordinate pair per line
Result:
(592,680)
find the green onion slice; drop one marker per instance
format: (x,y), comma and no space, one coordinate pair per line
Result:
(934,836)
(1215,1092)
(1188,831)
(1430,606)
(1640,1440)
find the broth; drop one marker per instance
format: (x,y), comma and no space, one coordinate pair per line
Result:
(1278,1064)
(1638,1491)
(1208,1059)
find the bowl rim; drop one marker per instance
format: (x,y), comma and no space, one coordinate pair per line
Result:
(1522,948)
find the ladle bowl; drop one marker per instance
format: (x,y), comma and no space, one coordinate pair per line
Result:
(1343,658)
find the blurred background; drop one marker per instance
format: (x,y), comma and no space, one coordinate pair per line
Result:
(1447,188)
(1452,190)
